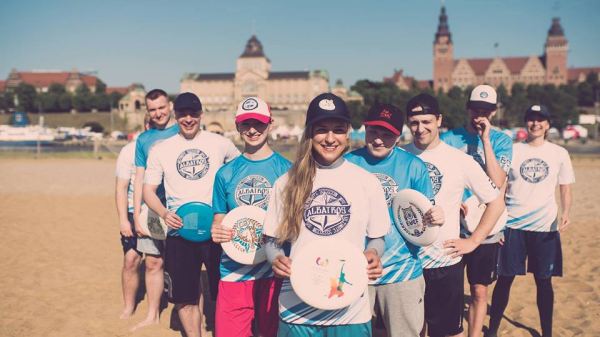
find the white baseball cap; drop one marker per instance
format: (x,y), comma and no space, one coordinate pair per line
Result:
(483,97)
(253,108)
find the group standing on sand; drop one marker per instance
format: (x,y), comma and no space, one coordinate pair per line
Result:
(412,290)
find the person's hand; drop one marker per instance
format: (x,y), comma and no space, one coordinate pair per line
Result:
(221,234)
(564,223)
(282,266)
(483,127)
(460,247)
(434,217)
(464,209)
(374,267)
(125,229)
(172,220)
(138,228)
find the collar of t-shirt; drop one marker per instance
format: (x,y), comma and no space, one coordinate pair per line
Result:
(333,165)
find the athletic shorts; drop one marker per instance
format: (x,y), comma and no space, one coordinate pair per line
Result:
(301,330)
(444,300)
(150,246)
(482,264)
(183,266)
(130,242)
(542,250)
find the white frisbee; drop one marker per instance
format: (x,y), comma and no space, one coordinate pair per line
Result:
(152,223)
(475,211)
(409,207)
(329,274)
(246,246)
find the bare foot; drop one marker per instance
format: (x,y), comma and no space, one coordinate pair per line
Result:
(146,322)
(127,313)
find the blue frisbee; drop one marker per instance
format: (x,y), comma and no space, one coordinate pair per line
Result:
(197,218)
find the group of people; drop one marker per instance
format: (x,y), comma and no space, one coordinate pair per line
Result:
(413,290)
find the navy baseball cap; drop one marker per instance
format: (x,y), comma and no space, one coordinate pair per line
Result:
(537,110)
(386,115)
(187,101)
(422,104)
(327,105)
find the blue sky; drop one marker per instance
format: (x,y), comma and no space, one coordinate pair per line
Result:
(155,42)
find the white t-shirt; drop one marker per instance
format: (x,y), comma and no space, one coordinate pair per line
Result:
(354,203)
(126,170)
(532,180)
(451,171)
(188,166)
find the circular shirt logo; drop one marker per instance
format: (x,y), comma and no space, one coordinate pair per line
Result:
(327,104)
(483,94)
(192,164)
(436,177)
(534,170)
(390,187)
(253,190)
(249,104)
(410,219)
(247,235)
(326,212)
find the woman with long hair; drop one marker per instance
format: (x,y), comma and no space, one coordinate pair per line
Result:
(348,196)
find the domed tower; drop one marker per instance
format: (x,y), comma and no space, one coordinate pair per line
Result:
(555,54)
(443,55)
(252,72)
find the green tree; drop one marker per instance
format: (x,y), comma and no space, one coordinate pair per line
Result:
(100,87)
(27,96)
(82,100)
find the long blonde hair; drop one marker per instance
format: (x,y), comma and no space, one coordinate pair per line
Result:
(299,186)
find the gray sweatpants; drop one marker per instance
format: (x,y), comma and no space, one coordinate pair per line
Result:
(401,306)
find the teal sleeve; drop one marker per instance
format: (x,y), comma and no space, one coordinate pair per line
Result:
(219,201)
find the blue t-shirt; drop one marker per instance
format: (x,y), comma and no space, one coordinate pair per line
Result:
(245,182)
(144,143)
(399,170)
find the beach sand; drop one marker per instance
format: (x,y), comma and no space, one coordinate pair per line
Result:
(61,256)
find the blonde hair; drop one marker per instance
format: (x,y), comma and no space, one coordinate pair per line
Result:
(297,190)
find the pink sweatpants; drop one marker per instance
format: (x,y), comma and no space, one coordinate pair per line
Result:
(238,303)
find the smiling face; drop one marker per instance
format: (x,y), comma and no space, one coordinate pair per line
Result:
(329,140)
(189,122)
(159,110)
(425,129)
(380,141)
(537,126)
(253,132)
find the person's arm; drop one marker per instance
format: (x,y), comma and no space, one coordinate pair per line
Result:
(492,167)
(151,199)
(121,186)
(565,204)
(281,264)
(373,252)
(138,185)
(219,233)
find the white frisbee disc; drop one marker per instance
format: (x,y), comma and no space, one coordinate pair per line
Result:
(409,207)
(329,274)
(246,246)
(475,211)
(152,223)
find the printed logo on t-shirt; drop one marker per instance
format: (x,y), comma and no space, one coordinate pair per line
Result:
(436,177)
(192,164)
(534,170)
(253,190)
(326,212)
(504,163)
(390,187)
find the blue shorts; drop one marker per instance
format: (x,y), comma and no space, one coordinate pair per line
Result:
(130,242)
(542,250)
(302,330)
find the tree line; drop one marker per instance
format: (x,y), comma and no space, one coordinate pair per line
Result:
(564,102)
(58,99)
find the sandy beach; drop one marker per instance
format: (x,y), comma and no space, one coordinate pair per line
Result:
(61,256)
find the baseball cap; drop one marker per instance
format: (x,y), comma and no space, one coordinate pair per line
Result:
(253,108)
(537,110)
(483,97)
(386,115)
(327,105)
(187,100)
(422,104)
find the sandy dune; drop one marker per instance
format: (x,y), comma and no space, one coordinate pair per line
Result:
(61,256)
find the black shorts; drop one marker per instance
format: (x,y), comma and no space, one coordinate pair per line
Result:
(183,266)
(130,242)
(482,264)
(444,300)
(542,250)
